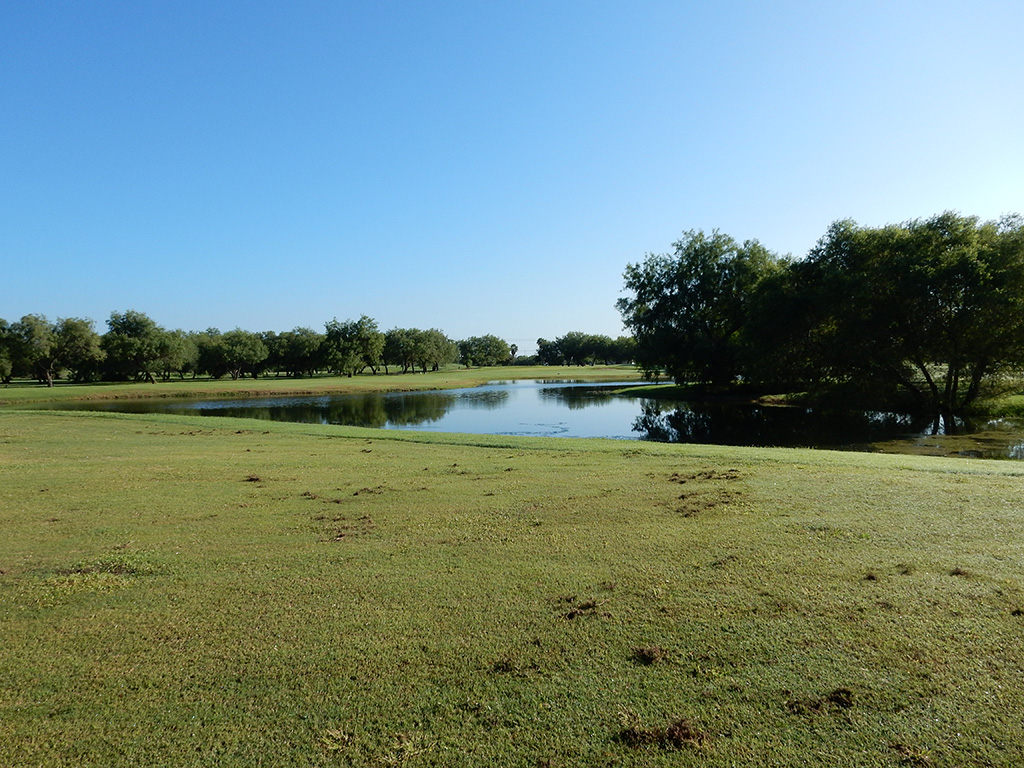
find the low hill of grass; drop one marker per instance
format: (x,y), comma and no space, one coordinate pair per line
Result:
(203,591)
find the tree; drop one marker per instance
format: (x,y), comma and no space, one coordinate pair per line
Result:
(211,358)
(483,351)
(133,346)
(398,349)
(931,308)
(34,347)
(369,343)
(549,352)
(78,348)
(687,309)
(297,352)
(6,352)
(354,345)
(624,349)
(432,349)
(577,348)
(243,351)
(6,366)
(177,352)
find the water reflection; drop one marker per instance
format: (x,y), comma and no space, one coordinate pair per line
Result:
(579,409)
(578,397)
(394,410)
(732,424)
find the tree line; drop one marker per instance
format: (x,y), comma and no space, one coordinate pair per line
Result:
(927,315)
(135,347)
(577,348)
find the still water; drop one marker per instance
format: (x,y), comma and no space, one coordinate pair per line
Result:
(581,409)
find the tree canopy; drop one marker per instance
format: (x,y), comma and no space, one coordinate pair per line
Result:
(926,312)
(687,309)
(932,308)
(578,348)
(484,350)
(136,348)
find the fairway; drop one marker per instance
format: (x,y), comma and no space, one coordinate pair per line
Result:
(200,591)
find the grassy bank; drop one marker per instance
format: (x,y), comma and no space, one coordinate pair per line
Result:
(202,591)
(29,393)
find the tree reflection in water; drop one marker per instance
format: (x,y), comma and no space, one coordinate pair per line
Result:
(358,411)
(732,424)
(577,409)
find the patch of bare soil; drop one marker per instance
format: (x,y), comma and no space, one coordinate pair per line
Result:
(649,655)
(704,491)
(677,735)
(910,755)
(341,528)
(839,699)
(582,608)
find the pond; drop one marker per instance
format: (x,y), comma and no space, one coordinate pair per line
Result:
(581,409)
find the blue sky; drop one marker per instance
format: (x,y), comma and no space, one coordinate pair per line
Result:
(479,167)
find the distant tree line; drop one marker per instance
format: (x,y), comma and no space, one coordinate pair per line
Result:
(135,348)
(577,348)
(926,314)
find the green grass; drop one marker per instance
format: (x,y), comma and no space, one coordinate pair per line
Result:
(202,591)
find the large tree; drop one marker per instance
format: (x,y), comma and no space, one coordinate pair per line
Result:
(484,350)
(6,352)
(6,366)
(177,353)
(243,351)
(354,345)
(930,308)
(297,352)
(133,346)
(34,347)
(78,347)
(550,352)
(432,349)
(687,309)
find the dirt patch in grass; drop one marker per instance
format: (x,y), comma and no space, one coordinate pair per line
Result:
(839,699)
(340,528)
(581,608)
(911,755)
(649,655)
(115,565)
(511,665)
(706,474)
(704,491)
(369,491)
(679,734)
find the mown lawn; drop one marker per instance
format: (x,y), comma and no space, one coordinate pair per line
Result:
(200,591)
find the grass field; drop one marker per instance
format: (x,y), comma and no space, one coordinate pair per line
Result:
(199,591)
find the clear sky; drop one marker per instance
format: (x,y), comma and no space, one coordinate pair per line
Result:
(478,167)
